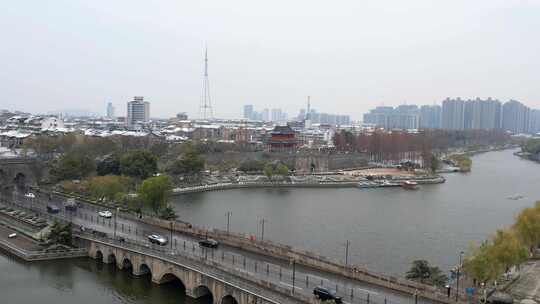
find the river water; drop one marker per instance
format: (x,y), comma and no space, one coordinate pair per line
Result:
(387,228)
(81,281)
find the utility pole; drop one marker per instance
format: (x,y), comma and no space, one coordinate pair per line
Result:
(262,229)
(457,276)
(347,243)
(228,221)
(171,224)
(115,217)
(293,274)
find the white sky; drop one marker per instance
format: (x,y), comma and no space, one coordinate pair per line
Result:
(348,55)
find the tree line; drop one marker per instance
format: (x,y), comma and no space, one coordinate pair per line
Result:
(506,248)
(398,145)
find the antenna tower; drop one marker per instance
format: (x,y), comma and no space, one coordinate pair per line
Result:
(205,110)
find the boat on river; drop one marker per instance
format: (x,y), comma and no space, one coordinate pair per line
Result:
(409,185)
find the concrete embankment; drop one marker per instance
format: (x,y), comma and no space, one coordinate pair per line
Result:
(228,186)
(24,245)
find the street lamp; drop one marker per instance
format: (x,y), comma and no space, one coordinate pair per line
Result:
(171,226)
(228,220)
(262,229)
(457,275)
(293,261)
(347,243)
(115,216)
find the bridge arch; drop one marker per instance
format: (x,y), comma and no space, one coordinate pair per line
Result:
(203,291)
(20,180)
(171,278)
(144,270)
(111,258)
(126,264)
(99,255)
(229,299)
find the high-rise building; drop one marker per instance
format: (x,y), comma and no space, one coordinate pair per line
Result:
(490,116)
(138,111)
(472,114)
(430,117)
(182,116)
(515,117)
(453,111)
(275,115)
(402,117)
(110,110)
(248,111)
(265,115)
(534,121)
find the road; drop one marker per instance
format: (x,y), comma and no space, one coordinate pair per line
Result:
(300,278)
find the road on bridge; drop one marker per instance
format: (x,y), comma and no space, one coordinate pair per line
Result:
(299,278)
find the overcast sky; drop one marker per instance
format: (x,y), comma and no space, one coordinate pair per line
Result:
(349,56)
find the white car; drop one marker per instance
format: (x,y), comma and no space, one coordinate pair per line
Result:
(12,235)
(157,239)
(30,195)
(105,214)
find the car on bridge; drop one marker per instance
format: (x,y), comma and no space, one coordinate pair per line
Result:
(71,205)
(157,239)
(53,209)
(30,195)
(325,294)
(210,243)
(105,214)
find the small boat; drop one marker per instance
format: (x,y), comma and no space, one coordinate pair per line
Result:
(515,197)
(409,185)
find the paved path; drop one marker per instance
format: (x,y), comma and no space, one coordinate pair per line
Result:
(21,241)
(528,284)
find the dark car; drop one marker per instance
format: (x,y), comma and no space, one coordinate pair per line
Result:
(53,209)
(210,243)
(326,294)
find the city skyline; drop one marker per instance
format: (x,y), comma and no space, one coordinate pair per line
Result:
(412,52)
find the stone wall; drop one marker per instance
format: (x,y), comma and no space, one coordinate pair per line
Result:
(301,161)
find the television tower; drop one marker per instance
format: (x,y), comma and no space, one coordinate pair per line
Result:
(205,111)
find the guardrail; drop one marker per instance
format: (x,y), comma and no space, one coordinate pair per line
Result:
(43,254)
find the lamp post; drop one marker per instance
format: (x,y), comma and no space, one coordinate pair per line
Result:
(228,220)
(293,261)
(347,243)
(457,275)
(171,225)
(115,216)
(262,229)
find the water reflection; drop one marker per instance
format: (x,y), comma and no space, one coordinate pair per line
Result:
(83,281)
(387,228)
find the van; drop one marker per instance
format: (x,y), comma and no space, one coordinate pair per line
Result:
(325,294)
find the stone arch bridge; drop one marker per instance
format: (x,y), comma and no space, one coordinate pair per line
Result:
(20,172)
(195,281)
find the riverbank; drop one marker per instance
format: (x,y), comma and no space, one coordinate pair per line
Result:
(388,227)
(337,181)
(26,244)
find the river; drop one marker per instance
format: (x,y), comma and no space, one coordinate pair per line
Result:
(387,228)
(81,281)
